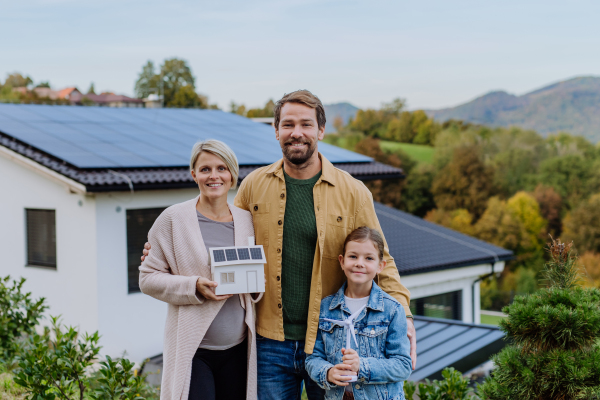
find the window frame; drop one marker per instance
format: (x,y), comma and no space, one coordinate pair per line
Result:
(28,239)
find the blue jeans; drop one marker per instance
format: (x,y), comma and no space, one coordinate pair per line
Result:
(281,371)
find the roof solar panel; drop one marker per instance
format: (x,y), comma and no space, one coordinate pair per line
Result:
(231,254)
(243,254)
(256,253)
(132,133)
(219,255)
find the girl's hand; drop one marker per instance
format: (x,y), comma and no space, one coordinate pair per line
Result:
(207,289)
(351,358)
(339,374)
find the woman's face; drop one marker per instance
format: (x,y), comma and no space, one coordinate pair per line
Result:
(212,176)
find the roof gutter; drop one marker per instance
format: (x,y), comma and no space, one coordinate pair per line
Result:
(71,185)
(473,288)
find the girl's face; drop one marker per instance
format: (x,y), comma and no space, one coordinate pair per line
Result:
(212,175)
(361,262)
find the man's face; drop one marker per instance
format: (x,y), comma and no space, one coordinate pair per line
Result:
(298,132)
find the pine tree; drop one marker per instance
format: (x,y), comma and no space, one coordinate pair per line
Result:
(555,338)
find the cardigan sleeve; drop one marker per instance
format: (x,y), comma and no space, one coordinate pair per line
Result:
(156,274)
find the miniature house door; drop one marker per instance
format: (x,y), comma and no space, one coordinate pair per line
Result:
(252,282)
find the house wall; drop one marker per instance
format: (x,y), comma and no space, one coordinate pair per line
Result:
(128,322)
(70,289)
(438,282)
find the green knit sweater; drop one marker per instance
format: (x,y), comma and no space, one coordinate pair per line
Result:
(299,244)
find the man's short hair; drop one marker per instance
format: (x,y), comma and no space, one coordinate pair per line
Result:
(301,97)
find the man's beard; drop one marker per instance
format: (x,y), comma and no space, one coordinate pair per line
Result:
(296,157)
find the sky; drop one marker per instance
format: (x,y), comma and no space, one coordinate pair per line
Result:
(433,53)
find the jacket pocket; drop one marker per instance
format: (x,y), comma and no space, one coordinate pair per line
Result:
(337,227)
(330,333)
(260,217)
(372,338)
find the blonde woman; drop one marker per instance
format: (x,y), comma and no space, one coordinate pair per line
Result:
(210,341)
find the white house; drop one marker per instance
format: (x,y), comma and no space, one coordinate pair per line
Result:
(238,269)
(81,187)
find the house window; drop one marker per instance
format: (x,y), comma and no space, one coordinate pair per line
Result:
(227,277)
(139,223)
(446,305)
(41,238)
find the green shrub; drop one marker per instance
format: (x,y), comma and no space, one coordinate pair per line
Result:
(58,364)
(554,353)
(19,314)
(453,387)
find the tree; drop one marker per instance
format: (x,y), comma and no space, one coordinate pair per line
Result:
(186,97)
(551,207)
(466,182)
(147,82)
(416,197)
(568,175)
(175,74)
(265,112)
(554,334)
(238,109)
(582,225)
(459,220)
(17,80)
(91,90)
(590,264)
(44,84)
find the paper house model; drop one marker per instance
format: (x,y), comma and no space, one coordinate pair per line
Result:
(239,269)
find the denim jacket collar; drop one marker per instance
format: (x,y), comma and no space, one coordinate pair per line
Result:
(375,299)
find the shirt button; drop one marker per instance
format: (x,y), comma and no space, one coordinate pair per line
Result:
(255,208)
(339,219)
(278,278)
(362,379)
(357,386)
(282,195)
(279,222)
(318,209)
(279,305)
(279,250)
(355,331)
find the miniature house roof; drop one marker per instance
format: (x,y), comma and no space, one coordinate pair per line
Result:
(237,255)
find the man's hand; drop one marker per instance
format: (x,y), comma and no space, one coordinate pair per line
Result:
(146,251)
(206,288)
(412,336)
(351,358)
(340,374)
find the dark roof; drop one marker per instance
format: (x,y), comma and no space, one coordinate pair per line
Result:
(105,137)
(104,179)
(420,246)
(445,343)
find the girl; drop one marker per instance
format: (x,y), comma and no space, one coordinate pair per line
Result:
(362,350)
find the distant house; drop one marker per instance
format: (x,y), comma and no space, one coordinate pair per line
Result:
(106,100)
(85,185)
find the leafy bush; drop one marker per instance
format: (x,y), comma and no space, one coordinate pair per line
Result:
(19,314)
(58,364)
(555,333)
(453,387)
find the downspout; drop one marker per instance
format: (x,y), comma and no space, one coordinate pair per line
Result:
(473,287)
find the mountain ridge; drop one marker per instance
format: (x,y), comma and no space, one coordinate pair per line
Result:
(572,105)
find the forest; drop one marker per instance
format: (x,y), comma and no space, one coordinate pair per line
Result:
(507,186)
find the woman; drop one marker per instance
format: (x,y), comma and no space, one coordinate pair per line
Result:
(210,341)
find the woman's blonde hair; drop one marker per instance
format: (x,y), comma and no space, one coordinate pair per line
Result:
(220,150)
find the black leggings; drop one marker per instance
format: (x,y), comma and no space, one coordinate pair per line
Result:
(219,374)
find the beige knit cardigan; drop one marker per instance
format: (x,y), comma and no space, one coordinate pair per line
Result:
(169,273)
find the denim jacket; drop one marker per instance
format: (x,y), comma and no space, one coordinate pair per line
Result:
(383,347)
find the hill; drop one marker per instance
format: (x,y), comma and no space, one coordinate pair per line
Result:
(342,110)
(569,106)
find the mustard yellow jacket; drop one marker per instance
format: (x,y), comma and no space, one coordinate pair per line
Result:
(342,204)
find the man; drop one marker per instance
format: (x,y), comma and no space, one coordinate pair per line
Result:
(303,208)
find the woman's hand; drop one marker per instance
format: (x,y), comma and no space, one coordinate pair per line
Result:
(206,288)
(146,251)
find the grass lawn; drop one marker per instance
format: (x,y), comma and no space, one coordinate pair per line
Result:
(418,152)
(491,319)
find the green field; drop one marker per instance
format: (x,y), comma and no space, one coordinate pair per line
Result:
(491,319)
(418,152)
